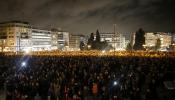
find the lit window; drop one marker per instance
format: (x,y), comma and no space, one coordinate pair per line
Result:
(11,36)
(11,43)
(10,32)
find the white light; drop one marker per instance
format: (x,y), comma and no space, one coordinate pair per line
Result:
(103,51)
(115,83)
(27,50)
(23,64)
(89,46)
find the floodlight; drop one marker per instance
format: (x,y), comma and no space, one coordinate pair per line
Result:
(115,83)
(23,64)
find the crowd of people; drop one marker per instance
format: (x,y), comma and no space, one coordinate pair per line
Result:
(85,77)
(94,53)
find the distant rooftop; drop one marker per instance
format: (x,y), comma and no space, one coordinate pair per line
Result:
(14,21)
(28,24)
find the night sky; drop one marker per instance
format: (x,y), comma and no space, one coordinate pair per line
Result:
(85,16)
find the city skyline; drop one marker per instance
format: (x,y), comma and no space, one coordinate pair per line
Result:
(82,16)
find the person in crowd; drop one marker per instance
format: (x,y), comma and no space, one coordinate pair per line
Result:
(84,77)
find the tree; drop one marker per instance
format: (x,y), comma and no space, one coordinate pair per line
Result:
(91,39)
(104,45)
(129,47)
(139,40)
(82,45)
(97,44)
(158,44)
(97,36)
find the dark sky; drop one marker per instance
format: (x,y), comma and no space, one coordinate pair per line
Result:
(85,16)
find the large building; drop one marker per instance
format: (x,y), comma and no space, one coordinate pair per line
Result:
(60,39)
(21,36)
(41,40)
(74,43)
(117,41)
(14,36)
(152,37)
(63,40)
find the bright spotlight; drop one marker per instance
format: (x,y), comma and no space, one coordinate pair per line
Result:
(115,83)
(23,64)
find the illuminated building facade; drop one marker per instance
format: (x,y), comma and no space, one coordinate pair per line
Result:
(15,36)
(152,37)
(166,39)
(21,36)
(117,41)
(74,43)
(173,41)
(150,40)
(41,40)
(63,40)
